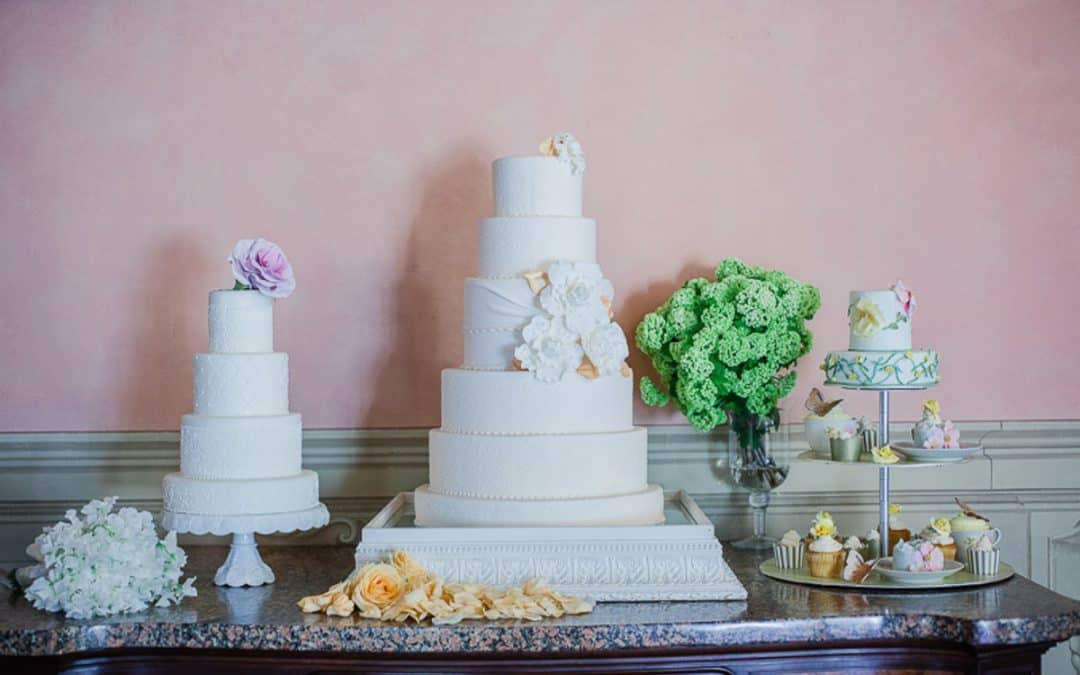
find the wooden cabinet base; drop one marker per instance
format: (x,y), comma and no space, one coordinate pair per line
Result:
(863,658)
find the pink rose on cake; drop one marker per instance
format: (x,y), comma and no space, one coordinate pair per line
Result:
(905,296)
(261,265)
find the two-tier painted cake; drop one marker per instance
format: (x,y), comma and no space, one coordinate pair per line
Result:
(880,352)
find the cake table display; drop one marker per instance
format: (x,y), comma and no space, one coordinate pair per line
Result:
(538,469)
(240,450)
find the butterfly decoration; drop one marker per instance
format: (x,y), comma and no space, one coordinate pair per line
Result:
(856,570)
(967,510)
(817,404)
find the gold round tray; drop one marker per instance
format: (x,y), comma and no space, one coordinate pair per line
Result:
(960,580)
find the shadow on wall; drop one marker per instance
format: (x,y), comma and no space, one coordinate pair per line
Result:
(163,336)
(425,335)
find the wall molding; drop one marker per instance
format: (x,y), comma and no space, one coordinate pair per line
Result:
(1027,468)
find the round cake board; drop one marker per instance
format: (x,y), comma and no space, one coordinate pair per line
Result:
(961,580)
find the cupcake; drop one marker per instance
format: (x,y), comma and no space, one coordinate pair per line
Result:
(790,551)
(822,415)
(983,557)
(918,556)
(853,543)
(939,533)
(825,555)
(898,530)
(968,527)
(931,432)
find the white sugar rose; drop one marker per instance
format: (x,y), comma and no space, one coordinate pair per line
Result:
(579,293)
(607,349)
(550,349)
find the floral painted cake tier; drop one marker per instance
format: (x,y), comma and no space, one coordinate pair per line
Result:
(909,368)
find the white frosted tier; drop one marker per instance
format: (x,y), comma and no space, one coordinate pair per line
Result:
(895,334)
(535,186)
(241,497)
(229,385)
(515,402)
(241,322)
(433,509)
(215,448)
(513,246)
(495,312)
(541,466)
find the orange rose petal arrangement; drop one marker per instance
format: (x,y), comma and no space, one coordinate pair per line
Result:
(401,590)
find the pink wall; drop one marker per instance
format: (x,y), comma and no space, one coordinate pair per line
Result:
(846,142)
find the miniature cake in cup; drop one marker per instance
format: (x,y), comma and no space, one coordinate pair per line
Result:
(822,416)
(825,555)
(983,557)
(918,556)
(898,529)
(968,527)
(790,551)
(939,533)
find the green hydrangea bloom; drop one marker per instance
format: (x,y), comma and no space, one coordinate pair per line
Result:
(726,347)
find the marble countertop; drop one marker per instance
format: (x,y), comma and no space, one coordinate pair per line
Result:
(776,613)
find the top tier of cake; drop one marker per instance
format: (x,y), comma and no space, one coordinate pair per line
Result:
(879,321)
(241,322)
(536,186)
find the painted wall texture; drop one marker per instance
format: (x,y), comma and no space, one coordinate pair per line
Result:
(848,143)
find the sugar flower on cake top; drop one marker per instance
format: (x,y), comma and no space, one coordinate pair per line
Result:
(261,265)
(884,455)
(565,148)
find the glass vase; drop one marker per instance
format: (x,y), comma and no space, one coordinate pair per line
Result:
(756,466)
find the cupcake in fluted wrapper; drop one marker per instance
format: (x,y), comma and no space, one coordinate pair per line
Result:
(983,558)
(825,555)
(790,551)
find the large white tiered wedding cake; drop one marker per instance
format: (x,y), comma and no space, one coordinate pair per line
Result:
(537,424)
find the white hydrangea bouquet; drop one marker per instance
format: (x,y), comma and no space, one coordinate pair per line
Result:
(105,563)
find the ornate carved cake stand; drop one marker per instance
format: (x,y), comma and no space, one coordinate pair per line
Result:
(244,566)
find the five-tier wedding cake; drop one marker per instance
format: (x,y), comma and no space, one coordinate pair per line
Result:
(537,423)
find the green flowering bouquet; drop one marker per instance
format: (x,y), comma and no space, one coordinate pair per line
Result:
(726,347)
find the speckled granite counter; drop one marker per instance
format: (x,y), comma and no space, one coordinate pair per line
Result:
(266,619)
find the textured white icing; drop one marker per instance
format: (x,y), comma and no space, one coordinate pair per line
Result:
(515,402)
(541,466)
(638,508)
(495,312)
(535,186)
(513,246)
(241,322)
(230,385)
(216,448)
(888,339)
(241,497)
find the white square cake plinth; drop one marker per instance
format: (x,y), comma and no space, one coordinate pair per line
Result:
(679,560)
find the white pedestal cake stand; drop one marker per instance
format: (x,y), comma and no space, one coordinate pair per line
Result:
(678,560)
(244,566)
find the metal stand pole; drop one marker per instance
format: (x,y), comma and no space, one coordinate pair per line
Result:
(883,473)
